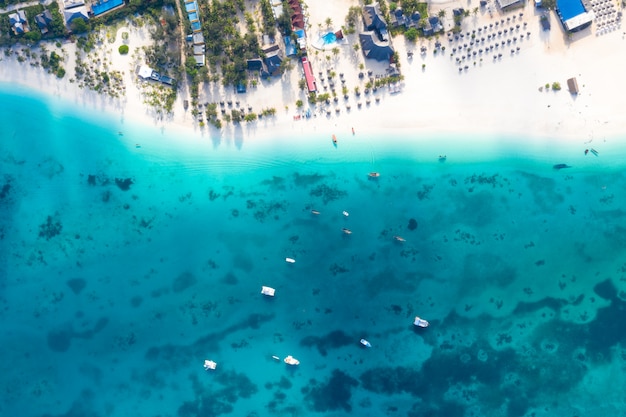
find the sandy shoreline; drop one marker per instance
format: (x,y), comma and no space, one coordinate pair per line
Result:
(494,97)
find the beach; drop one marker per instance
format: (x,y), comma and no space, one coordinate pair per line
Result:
(494,96)
(135,246)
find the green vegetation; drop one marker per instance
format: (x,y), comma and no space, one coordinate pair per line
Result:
(250,117)
(52,63)
(408,8)
(411,34)
(352,19)
(269,23)
(123,49)
(79,26)
(236,116)
(556,86)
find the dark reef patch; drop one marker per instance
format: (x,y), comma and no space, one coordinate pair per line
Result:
(136,301)
(5,189)
(543,191)
(334,395)
(124,183)
(183,282)
(607,330)
(412,224)
(51,228)
(306,180)
(327,193)
(59,341)
(80,408)
(276,183)
(77,284)
(229,279)
(215,402)
(332,340)
(263,210)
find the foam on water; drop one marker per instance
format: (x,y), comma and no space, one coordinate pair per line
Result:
(122,269)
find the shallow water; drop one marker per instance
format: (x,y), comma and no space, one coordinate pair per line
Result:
(123,268)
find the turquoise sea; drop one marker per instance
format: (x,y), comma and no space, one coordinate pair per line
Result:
(129,256)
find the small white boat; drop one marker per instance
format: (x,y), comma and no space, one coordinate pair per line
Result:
(276,358)
(346,231)
(209,365)
(269,291)
(399,239)
(290,360)
(366,343)
(345,213)
(290,260)
(317,213)
(420,322)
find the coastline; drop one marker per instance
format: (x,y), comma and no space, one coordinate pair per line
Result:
(494,100)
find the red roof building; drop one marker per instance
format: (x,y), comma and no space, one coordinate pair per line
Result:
(308,75)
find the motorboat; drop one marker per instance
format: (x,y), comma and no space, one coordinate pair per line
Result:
(290,360)
(290,260)
(366,343)
(317,213)
(345,213)
(276,358)
(373,174)
(420,322)
(209,365)
(346,231)
(269,291)
(399,239)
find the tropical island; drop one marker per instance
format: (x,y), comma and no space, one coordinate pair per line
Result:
(217,66)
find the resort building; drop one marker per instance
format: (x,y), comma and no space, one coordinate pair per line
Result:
(374,49)
(375,41)
(297,16)
(74,9)
(573,15)
(308,75)
(148,74)
(273,62)
(100,7)
(197,39)
(18,22)
(509,4)
(398,18)
(43,20)
(433,25)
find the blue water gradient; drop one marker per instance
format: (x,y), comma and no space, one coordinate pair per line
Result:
(123,268)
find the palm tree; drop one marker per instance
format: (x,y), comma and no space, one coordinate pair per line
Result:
(335,51)
(329,22)
(441,14)
(475,11)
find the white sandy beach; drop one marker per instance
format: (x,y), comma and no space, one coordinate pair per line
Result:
(493,98)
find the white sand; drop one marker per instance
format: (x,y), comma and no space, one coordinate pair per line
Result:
(492,98)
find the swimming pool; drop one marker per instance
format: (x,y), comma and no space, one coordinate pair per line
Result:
(329,38)
(570,8)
